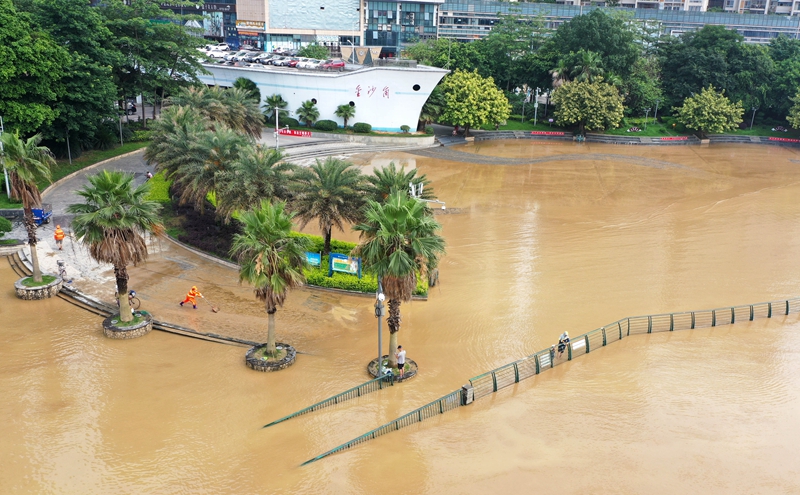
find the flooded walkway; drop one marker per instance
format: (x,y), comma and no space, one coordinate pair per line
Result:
(541,246)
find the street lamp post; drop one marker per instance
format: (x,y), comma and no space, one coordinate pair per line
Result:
(380,312)
(655,115)
(753,118)
(536,106)
(646,113)
(277,126)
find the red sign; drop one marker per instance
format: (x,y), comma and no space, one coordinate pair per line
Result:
(546,133)
(675,138)
(289,132)
(787,140)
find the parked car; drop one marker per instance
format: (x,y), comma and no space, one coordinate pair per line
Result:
(332,64)
(276,60)
(264,58)
(284,62)
(309,64)
(297,60)
(234,56)
(222,47)
(252,56)
(218,54)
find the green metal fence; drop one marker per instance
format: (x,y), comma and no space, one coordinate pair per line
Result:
(504,376)
(509,374)
(363,389)
(439,406)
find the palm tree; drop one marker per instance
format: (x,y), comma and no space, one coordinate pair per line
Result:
(112,222)
(590,65)
(432,108)
(173,139)
(387,180)
(259,173)
(332,192)
(560,73)
(275,103)
(249,86)
(27,163)
(234,107)
(308,112)
(269,258)
(399,239)
(345,112)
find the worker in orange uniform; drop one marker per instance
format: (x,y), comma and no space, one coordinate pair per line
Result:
(59,237)
(190,297)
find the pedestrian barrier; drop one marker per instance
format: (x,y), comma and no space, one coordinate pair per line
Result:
(363,389)
(509,374)
(439,406)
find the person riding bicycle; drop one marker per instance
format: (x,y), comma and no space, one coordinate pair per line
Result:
(131,295)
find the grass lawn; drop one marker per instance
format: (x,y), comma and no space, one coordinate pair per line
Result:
(765,130)
(63,168)
(513,124)
(6,204)
(349,130)
(654,129)
(46,279)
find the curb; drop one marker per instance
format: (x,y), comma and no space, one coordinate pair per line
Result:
(73,174)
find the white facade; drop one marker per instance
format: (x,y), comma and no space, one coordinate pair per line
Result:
(384,97)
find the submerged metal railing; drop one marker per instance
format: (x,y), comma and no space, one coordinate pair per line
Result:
(509,374)
(363,389)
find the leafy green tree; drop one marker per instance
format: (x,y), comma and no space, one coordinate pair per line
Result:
(387,180)
(112,222)
(589,105)
(308,112)
(641,89)
(314,51)
(794,112)
(32,68)
(258,173)
(505,49)
(270,258)
(249,86)
(710,112)
(785,54)
(432,109)
(332,192)
(588,66)
(449,54)
(472,101)
(27,163)
(399,239)
(275,103)
(345,112)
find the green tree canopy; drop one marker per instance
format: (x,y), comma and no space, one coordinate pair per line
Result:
(794,112)
(710,111)
(248,86)
(589,105)
(345,112)
(308,112)
(314,51)
(472,101)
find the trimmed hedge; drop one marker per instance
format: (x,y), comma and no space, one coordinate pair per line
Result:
(428,130)
(326,125)
(362,128)
(290,122)
(159,188)
(5,226)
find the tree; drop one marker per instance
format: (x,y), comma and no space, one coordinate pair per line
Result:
(505,49)
(31,71)
(710,112)
(449,54)
(173,139)
(588,65)
(258,173)
(332,192)
(345,112)
(248,86)
(794,112)
(399,239)
(591,105)
(388,180)
(234,107)
(432,109)
(308,112)
(112,222)
(472,101)
(641,89)
(27,163)
(275,103)
(270,258)
(314,51)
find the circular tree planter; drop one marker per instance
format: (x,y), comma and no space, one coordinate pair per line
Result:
(410,371)
(113,328)
(37,292)
(258,364)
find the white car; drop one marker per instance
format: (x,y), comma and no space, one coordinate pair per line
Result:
(222,47)
(217,54)
(235,56)
(309,64)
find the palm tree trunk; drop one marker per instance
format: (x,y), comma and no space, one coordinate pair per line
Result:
(327,249)
(30,226)
(121,275)
(393,322)
(271,332)
(466,130)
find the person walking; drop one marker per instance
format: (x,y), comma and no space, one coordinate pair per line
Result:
(190,297)
(401,360)
(59,237)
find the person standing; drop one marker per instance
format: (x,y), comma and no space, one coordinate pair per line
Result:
(59,237)
(563,342)
(401,360)
(190,297)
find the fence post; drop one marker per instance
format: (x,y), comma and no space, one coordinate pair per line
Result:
(536,361)
(671,322)
(733,316)
(619,324)
(569,348)
(586,338)
(441,408)
(494,381)
(769,310)
(787,307)
(752,312)
(604,336)
(713,317)
(649,324)
(516,373)
(629,327)
(692,320)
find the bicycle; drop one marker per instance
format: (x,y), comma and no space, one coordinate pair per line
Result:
(133,301)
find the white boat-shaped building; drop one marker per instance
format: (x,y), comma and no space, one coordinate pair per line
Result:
(384,97)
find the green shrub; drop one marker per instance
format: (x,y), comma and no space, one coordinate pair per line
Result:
(429,130)
(5,226)
(362,128)
(284,121)
(326,125)
(317,243)
(140,136)
(159,188)
(405,128)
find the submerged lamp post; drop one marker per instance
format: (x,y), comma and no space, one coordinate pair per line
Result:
(646,113)
(380,312)
(753,117)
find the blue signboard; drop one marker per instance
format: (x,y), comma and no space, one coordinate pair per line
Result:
(314,259)
(345,264)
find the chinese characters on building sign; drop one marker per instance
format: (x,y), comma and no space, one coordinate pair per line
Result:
(371,91)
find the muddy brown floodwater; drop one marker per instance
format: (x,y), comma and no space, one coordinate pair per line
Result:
(550,237)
